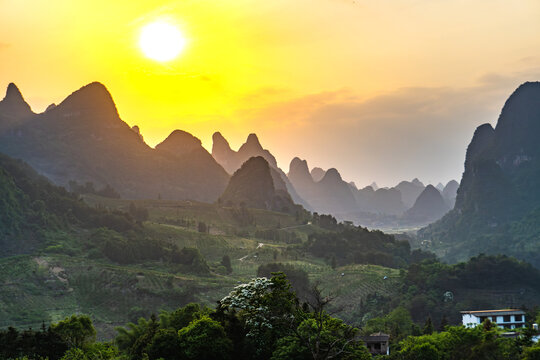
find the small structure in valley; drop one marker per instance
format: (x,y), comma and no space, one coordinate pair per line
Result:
(377,343)
(505,318)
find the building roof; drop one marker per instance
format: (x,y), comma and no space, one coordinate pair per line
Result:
(501,312)
(376,337)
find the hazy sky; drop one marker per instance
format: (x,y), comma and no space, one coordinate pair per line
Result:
(383,90)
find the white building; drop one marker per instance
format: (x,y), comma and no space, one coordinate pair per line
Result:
(505,318)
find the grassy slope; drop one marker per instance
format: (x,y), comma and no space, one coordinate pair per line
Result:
(48,286)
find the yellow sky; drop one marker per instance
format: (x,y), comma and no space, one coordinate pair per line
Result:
(274,67)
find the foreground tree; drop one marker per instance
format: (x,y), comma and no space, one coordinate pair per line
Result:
(204,339)
(266,308)
(77,331)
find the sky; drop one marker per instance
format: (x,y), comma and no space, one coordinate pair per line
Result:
(382,90)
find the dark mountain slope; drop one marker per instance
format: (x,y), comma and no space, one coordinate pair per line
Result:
(450,192)
(252,186)
(410,191)
(232,160)
(500,188)
(429,206)
(32,210)
(84,139)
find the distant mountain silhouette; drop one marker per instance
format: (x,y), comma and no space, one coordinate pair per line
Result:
(496,209)
(84,139)
(317,174)
(180,143)
(450,192)
(232,160)
(429,206)
(330,195)
(410,191)
(440,187)
(13,109)
(253,186)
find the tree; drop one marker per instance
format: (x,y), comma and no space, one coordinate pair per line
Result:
(423,351)
(532,353)
(204,339)
(443,324)
(77,331)
(226,262)
(428,326)
(183,316)
(96,351)
(266,308)
(319,336)
(202,228)
(164,345)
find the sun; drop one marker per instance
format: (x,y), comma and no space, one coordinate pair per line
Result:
(161,41)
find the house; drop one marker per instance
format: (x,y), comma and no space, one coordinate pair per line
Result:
(505,318)
(377,343)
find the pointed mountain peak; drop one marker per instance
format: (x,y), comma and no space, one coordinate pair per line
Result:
(299,171)
(181,136)
(13,92)
(180,142)
(317,174)
(252,142)
(332,175)
(415,181)
(13,103)
(298,164)
(219,143)
(431,189)
(92,98)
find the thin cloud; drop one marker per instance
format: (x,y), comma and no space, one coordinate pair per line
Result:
(411,132)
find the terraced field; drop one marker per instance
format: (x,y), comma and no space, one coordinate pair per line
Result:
(48,286)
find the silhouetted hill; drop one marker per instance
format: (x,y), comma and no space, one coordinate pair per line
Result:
(33,211)
(13,109)
(180,143)
(429,206)
(232,160)
(330,195)
(450,192)
(317,174)
(252,186)
(84,139)
(410,191)
(387,201)
(334,194)
(499,194)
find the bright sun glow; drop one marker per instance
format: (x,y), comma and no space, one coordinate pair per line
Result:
(161,41)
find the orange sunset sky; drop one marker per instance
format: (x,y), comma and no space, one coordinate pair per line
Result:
(383,90)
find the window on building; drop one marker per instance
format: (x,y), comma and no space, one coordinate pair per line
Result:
(507,318)
(519,317)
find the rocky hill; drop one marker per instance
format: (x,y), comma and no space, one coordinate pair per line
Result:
(232,160)
(499,194)
(252,186)
(84,139)
(428,207)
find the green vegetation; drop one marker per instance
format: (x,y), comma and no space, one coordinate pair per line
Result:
(438,292)
(262,320)
(122,260)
